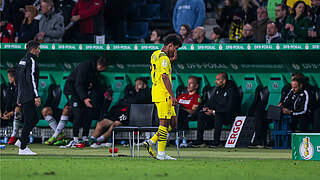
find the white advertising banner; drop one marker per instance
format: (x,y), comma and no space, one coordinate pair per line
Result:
(235,132)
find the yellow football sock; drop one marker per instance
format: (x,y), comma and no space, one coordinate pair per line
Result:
(162,141)
(154,138)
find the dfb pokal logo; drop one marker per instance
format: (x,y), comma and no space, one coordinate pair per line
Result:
(306,149)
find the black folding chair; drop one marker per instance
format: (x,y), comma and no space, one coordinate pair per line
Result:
(140,118)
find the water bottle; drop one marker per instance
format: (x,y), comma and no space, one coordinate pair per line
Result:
(31,138)
(2,146)
(177,141)
(6,138)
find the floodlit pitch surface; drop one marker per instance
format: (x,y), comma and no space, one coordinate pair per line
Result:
(195,163)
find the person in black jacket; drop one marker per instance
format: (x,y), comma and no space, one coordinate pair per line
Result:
(10,98)
(12,110)
(221,109)
(77,86)
(29,27)
(297,104)
(28,97)
(119,114)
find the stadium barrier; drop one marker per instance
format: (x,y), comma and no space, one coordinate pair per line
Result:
(249,65)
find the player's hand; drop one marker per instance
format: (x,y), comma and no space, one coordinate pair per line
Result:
(37,101)
(175,56)
(75,18)
(174,101)
(87,102)
(210,112)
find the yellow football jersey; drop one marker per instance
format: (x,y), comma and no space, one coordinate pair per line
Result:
(160,64)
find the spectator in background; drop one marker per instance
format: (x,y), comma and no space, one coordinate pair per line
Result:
(315,18)
(218,35)
(6,30)
(155,36)
(14,13)
(65,9)
(247,34)
(191,12)
(230,6)
(89,14)
(186,34)
(199,36)
(297,24)
(273,35)
(30,26)
(235,33)
(281,15)
(51,26)
(260,25)
(249,8)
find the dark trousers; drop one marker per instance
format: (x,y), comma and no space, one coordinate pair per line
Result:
(29,110)
(300,123)
(261,126)
(80,112)
(221,118)
(80,119)
(204,122)
(183,119)
(208,122)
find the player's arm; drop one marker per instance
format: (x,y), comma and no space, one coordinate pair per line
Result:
(168,86)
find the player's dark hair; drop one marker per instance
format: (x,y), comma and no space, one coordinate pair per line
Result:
(102,61)
(224,75)
(12,71)
(32,45)
(174,39)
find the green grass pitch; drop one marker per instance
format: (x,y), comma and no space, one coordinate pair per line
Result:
(203,163)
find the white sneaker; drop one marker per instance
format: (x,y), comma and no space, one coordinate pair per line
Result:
(165,157)
(72,144)
(95,145)
(26,152)
(184,145)
(18,143)
(106,144)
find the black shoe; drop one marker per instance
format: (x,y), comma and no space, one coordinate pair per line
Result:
(256,146)
(215,145)
(199,144)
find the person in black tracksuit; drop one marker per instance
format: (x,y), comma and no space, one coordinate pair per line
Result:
(77,86)
(10,99)
(297,104)
(27,78)
(220,109)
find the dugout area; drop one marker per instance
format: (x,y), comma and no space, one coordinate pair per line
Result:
(251,66)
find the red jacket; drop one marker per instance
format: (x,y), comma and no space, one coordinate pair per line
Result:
(88,11)
(7,34)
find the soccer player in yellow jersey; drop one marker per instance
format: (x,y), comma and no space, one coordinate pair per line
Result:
(162,94)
